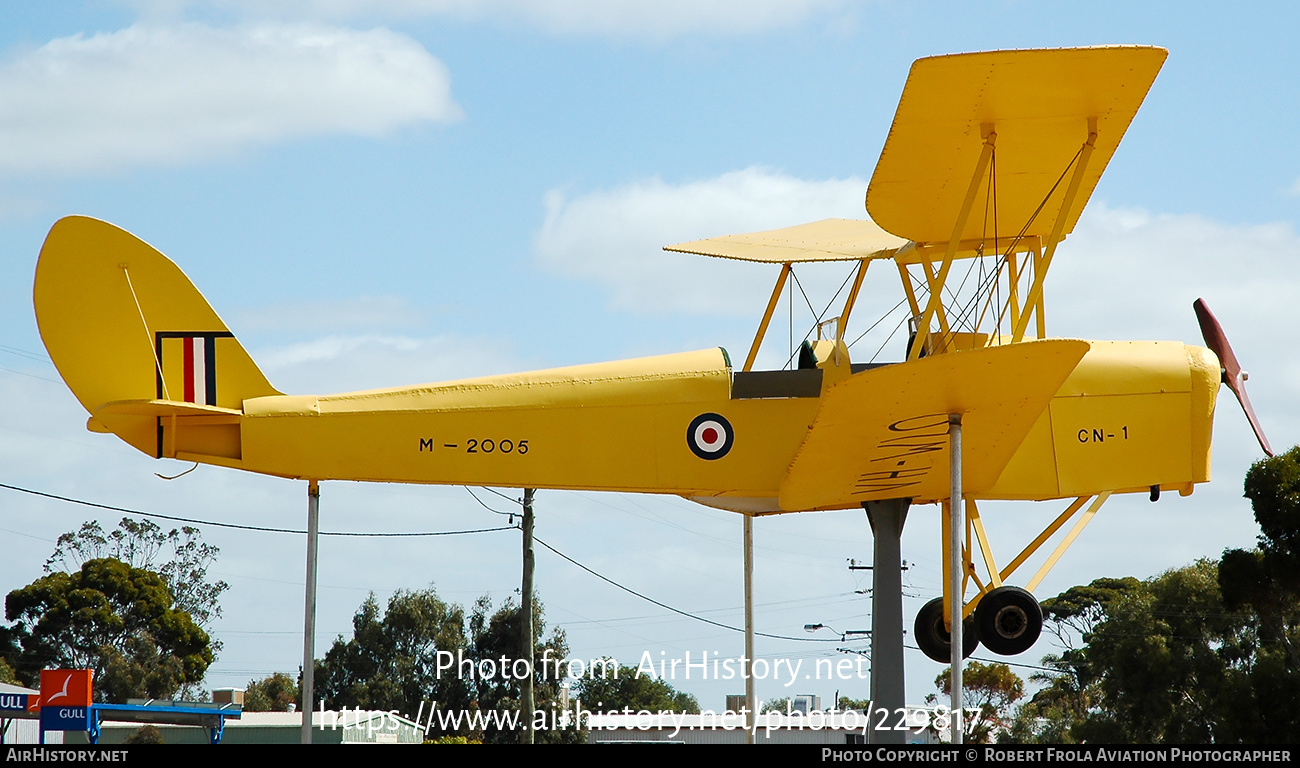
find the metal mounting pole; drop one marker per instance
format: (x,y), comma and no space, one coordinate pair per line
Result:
(526,619)
(888,689)
(956,570)
(751,694)
(309,619)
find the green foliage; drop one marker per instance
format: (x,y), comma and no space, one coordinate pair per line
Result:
(845,704)
(1273,487)
(1169,662)
(1204,653)
(1035,723)
(1068,695)
(775,705)
(497,636)
(451,740)
(179,557)
(10,650)
(140,624)
(1080,608)
(7,674)
(272,694)
(114,619)
(391,662)
(623,687)
(1158,657)
(993,688)
(1263,585)
(1152,667)
(1267,580)
(147,734)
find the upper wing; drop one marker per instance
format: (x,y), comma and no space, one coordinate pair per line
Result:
(825,240)
(883,433)
(1040,103)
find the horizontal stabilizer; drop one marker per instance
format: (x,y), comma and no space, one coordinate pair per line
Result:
(163,408)
(173,429)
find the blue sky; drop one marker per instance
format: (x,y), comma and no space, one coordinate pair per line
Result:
(382,193)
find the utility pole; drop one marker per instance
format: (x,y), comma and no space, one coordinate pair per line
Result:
(526,619)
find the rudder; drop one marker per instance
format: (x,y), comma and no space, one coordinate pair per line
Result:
(123,324)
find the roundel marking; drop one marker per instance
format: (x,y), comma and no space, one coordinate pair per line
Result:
(710,436)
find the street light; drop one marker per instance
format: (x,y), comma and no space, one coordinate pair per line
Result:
(844,636)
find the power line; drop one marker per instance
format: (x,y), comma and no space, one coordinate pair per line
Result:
(511,515)
(678,611)
(502,495)
(263,529)
(38,357)
(236,526)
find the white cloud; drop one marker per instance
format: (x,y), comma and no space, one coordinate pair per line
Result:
(656,19)
(348,314)
(615,237)
(347,363)
(176,94)
(1130,274)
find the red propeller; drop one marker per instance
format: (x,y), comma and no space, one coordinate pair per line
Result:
(1233,376)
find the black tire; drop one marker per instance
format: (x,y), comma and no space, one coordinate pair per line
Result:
(933,638)
(1009,621)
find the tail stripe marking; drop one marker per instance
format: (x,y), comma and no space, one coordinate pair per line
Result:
(187,344)
(198,364)
(210,370)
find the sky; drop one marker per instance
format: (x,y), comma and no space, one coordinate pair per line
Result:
(390,192)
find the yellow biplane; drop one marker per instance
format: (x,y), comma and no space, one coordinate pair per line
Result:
(991,157)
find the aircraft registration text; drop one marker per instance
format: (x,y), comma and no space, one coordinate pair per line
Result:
(1099,435)
(476,445)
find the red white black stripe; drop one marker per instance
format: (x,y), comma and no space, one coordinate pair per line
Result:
(710,436)
(195,370)
(198,365)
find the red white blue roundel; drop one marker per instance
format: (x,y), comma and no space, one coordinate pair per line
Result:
(710,436)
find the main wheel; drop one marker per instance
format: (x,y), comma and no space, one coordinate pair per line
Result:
(1009,621)
(933,638)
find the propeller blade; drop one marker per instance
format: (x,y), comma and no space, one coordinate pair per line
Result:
(1233,376)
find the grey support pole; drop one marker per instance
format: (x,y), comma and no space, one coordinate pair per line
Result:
(751,695)
(526,620)
(888,691)
(956,564)
(309,619)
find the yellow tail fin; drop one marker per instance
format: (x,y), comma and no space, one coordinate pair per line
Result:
(122,323)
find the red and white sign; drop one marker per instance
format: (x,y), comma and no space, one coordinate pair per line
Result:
(65,687)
